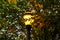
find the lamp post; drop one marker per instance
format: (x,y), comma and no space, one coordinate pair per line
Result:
(28,20)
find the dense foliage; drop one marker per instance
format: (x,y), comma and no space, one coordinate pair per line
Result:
(45,27)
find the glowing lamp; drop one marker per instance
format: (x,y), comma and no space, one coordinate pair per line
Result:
(28,18)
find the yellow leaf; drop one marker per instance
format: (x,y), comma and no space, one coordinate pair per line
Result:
(14,1)
(9,1)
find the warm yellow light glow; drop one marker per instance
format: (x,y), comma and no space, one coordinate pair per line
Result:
(28,19)
(27,16)
(29,22)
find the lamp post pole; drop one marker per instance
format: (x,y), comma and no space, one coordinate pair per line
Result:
(28,31)
(28,20)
